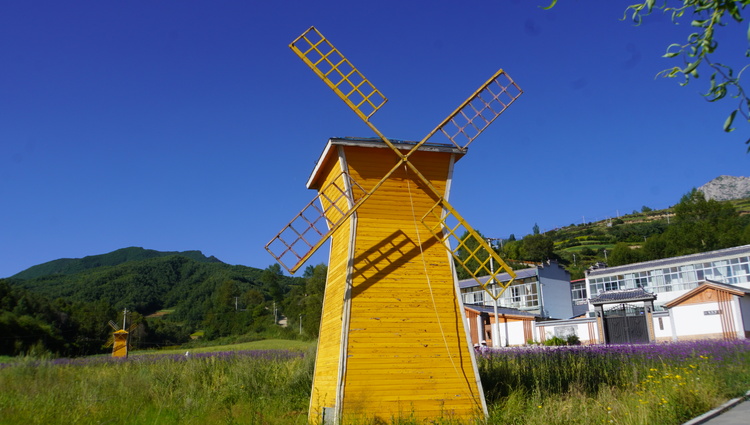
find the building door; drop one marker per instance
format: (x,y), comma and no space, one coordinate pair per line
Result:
(626,324)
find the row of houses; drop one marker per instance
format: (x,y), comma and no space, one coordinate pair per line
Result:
(695,296)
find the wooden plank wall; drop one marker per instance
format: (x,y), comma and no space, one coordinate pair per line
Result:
(407,353)
(328,356)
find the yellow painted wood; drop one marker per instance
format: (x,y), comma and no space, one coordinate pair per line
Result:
(325,379)
(406,352)
(120,347)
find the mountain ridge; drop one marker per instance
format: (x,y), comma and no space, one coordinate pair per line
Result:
(68,266)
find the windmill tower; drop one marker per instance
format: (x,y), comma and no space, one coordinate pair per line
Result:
(393,342)
(119,339)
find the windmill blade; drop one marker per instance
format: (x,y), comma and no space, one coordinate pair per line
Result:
(338,73)
(114,325)
(309,229)
(446,224)
(461,127)
(110,342)
(472,117)
(477,112)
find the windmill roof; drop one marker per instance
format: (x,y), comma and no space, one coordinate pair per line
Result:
(374,142)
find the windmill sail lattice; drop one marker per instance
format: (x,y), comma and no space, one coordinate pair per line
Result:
(461,127)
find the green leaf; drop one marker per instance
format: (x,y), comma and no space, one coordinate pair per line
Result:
(691,67)
(728,123)
(670,54)
(551,5)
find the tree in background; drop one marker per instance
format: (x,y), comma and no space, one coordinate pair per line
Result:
(31,324)
(303,305)
(697,52)
(699,225)
(272,281)
(623,254)
(703,225)
(469,246)
(538,247)
(218,320)
(313,304)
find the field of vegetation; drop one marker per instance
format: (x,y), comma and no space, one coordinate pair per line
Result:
(642,384)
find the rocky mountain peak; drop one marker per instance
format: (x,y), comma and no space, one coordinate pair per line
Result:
(725,188)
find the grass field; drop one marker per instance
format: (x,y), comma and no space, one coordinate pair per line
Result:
(643,384)
(266,344)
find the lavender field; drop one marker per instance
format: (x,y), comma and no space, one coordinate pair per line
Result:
(624,384)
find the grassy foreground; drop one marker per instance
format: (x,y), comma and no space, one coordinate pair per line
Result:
(644,384)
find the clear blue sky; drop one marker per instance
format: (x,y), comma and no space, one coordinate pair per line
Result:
(190,125)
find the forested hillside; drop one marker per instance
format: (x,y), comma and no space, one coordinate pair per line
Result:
(691,226)
(188,294)
(63,306)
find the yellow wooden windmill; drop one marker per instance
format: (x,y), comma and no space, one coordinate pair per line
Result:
(393,342)
(119,339)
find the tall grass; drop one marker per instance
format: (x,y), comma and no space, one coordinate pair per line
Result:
(643,384)
(255,387)
(627,384)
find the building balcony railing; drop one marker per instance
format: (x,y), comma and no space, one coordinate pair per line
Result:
(522,302)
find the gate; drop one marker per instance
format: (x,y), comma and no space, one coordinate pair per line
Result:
(626,324)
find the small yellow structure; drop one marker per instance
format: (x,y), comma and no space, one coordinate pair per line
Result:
(120,346)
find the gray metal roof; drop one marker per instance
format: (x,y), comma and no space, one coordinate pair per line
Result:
(623,295)
(502,277)
(500,310)
(673,261)
(728,286)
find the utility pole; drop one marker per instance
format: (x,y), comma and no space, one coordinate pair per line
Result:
(496,324)
(124,316)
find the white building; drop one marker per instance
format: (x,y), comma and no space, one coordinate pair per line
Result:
(673,277)
(543,291)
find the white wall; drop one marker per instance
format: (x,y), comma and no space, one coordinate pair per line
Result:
(689,320)
(555,287)
(562,328)
(664,332)
(745,307)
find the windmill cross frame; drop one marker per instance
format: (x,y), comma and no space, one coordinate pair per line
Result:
(461,127)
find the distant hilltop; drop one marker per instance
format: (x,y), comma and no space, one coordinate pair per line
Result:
(67,266)
(726,188)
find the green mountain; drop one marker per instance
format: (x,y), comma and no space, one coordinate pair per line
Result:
(693,225)
(147,281)
(63,306)
(67,266)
